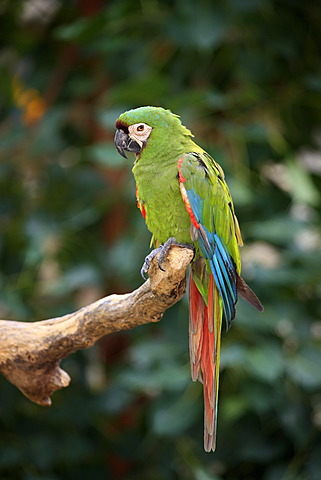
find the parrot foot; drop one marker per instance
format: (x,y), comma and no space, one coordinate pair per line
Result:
(148,261)
(162,249)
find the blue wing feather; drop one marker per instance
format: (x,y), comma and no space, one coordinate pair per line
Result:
(221,263)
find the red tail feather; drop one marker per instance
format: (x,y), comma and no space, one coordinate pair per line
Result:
(197,309)
(204,337)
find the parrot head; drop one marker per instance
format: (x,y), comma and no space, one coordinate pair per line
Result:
(135,128)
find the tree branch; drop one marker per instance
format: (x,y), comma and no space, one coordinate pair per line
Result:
(30,353)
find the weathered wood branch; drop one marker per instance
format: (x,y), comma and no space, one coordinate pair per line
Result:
(30,353)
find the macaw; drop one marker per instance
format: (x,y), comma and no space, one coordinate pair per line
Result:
(183,197)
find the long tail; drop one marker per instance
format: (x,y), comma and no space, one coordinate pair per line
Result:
(205,342)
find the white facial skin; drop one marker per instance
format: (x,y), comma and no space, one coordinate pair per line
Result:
(139,132)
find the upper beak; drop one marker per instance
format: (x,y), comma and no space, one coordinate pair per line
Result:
(123,142)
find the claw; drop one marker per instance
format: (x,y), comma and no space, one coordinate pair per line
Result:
(163,249)
(148,261)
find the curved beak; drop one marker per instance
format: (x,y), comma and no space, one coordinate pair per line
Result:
(123,142)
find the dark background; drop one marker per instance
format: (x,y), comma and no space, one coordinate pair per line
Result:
(245,76)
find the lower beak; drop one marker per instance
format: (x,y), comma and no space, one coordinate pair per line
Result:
(123,142)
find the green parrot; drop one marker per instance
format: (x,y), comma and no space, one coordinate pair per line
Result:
(184,199)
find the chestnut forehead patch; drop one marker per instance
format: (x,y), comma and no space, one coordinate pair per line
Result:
(121,126)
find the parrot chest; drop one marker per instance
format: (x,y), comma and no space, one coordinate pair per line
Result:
(160,201)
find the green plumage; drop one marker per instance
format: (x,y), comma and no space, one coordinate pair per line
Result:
(155,172)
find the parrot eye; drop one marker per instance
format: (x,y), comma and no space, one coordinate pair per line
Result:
(139,132)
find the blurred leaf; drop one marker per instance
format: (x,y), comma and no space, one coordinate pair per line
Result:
(266,362)
(302,187)
(173,416)
(280,230)
(105,154)
(304,367)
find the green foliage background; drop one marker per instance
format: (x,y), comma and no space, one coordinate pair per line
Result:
(245,76)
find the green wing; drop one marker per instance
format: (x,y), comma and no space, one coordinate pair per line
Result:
(211,200)
(214,226)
